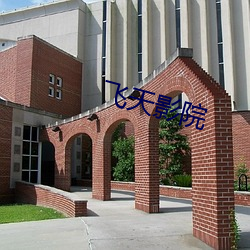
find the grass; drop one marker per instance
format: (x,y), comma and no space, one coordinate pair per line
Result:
(19,213)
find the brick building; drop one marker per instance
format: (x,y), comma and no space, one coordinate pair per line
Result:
(41,76)
(39,84)
(124,41)
(212,152)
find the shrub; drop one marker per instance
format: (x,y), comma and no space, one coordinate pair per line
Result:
(183,180)
(166,181)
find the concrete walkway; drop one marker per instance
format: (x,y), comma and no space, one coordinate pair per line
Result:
(116,225)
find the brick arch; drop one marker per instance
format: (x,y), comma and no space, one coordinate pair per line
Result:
(68,156)
(104,145)
(70,140)
(62,141)
(120,115)
(212,165)
(172,88)
(71,132)
(212,159)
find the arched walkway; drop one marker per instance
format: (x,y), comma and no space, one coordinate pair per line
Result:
(212,161)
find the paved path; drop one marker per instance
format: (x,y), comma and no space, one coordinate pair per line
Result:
(116,225)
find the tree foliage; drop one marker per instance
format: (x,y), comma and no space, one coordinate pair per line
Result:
(173,146)
(118,131)
(123,150)
(241,168)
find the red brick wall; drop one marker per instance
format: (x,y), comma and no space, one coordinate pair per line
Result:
(46,60)
(129,128)
(241,132)
(62,201)
(8,73)
(212,151)
(119,185)
(24,76)
(5,153)
(169,191)
(23,71)
(241,139)
(177,192)
(241,198)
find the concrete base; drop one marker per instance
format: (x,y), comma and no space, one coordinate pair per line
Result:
(115,224)
(147,208)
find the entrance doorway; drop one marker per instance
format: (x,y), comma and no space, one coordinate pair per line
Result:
(48,164)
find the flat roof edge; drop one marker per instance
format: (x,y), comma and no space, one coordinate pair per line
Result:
(29,109)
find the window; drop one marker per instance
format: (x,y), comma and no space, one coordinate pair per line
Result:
(78,140)
(139,7)
(58,94)
(51,91)
(30,154)
(104,26)
(55,91)
(139,40)
(103,88)
(51,78)
(220,43)
(178,23)
(18,131)
(59,82)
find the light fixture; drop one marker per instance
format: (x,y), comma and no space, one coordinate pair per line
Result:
(93,117)
(56,129)
(135,93)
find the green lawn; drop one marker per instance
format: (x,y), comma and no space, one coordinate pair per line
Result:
(19,213)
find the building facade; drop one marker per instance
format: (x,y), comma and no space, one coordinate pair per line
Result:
(39,84)
(38,75)
(122,41)
(125,41)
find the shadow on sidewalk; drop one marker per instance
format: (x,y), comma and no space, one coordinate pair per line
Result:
(175,209)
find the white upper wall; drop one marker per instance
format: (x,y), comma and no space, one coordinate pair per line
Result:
(77,28)
(92,70)
(56,23)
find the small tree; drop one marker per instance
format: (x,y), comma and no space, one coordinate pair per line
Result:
(173,146)
(123,150)
(241,168)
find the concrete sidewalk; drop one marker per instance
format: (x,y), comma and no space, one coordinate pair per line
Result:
(116,225)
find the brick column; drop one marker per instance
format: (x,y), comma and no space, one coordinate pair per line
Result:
(101,180)
(147,166)
(212,173)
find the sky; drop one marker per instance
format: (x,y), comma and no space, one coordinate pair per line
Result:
(7,5)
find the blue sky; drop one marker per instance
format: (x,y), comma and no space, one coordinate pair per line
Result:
(6,5)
